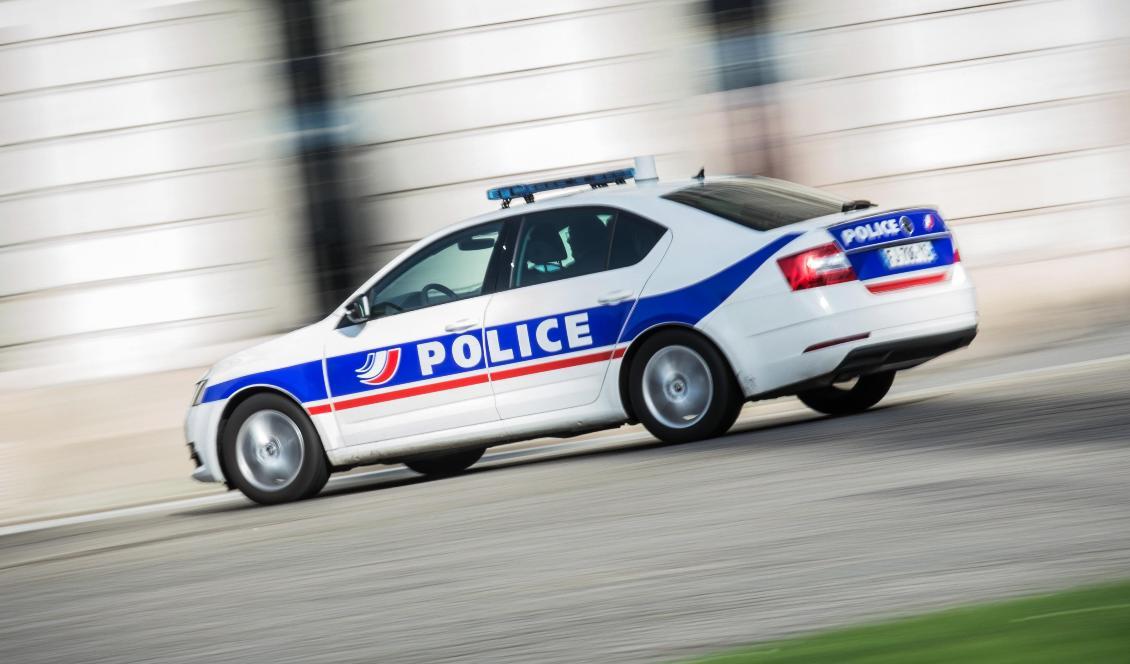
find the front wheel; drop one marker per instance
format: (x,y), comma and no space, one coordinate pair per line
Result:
(444,465)
(271,451)
(849,399)
(682,389)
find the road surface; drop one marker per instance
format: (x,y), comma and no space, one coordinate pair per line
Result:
(978,481)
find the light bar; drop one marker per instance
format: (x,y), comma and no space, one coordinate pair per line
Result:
(527,191)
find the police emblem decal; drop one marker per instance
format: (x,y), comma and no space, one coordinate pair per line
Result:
(380,366)
(907,225)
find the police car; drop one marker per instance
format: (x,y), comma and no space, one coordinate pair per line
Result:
(666,303)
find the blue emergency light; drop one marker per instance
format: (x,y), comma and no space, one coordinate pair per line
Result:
(527,191)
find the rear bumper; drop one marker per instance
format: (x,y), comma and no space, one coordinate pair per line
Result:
(885,356)
(894,355)
(782,339)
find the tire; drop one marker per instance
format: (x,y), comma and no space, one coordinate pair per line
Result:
(682,389)
(832,400)
(271,451)
(446,465)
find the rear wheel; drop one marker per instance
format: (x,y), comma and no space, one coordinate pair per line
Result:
(271,451)
(444,465)
(682,389)
(849,399)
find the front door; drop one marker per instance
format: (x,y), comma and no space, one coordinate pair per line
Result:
(576,274)
(417,365)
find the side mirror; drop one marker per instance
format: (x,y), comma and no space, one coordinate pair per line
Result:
(357,311)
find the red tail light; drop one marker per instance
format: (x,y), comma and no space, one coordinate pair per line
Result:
(820,266)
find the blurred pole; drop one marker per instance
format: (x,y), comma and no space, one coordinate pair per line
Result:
(332,238)
(747,74)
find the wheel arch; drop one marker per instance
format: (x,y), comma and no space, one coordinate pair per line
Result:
(637,343)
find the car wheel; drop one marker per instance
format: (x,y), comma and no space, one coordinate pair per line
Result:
(682,389)
(271,451)
(444,465)
(850,398)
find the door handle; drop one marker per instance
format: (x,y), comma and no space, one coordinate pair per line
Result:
(614,297)
(460,325)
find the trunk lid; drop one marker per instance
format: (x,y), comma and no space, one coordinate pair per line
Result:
(895,242)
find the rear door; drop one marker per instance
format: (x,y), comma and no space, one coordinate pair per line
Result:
(576,273)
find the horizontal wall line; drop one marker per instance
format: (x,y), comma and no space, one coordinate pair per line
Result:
(94,184)
(995,110)
(117,29)
(909,17)
(128,230)
(521,124)
(509,74)
(133,278)
(496,25)
(130,129)
(817,80)
(101,82)
(180,322)
(1049,156)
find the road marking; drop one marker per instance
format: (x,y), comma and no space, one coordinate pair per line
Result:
(548,449)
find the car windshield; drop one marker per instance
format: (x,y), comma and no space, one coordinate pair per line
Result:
(759,203)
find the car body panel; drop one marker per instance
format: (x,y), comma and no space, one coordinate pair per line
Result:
(582,319)
(415,396)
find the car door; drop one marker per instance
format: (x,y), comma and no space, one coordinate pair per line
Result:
(417,366)
(575,275)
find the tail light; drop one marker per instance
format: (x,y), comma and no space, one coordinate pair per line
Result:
(820,266)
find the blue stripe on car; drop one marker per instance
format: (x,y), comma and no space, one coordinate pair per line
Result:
(607,326)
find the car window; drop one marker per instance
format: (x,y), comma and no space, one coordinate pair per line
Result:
(564,243)
(632,238)
(759,203)
(452,268)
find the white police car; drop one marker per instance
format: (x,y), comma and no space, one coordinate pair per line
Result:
(670,304)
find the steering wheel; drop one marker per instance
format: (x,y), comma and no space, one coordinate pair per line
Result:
(443,290)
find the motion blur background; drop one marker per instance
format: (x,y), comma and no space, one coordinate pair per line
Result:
(178,178)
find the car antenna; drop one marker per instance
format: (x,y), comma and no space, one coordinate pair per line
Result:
(856,205)
(701,176)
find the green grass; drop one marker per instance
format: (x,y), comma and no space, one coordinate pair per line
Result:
(1078,627)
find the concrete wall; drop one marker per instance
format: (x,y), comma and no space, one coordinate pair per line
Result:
(147,207)
(452,97)
(143,204)
(1013,116)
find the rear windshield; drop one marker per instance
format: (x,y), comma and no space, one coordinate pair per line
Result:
(758,203)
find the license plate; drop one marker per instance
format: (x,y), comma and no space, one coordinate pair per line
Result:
(907,255)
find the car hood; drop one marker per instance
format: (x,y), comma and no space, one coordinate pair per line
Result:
(298,347)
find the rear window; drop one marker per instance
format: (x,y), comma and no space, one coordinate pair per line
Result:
(758,203)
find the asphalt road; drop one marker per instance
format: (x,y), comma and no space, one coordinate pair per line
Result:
(961,487)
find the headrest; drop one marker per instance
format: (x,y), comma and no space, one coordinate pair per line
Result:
(588,233)
(545,246)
